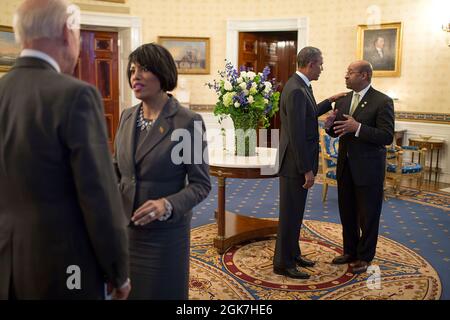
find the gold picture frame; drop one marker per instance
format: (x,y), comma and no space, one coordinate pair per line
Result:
(9,49)
(381,45)
(191,54)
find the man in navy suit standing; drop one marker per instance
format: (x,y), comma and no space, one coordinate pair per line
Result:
(299,156)
(364,121)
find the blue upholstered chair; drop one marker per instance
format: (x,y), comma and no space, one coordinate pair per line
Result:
(405,162)
(328,155)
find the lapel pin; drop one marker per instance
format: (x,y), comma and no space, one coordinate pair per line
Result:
(363,104)
(161,129)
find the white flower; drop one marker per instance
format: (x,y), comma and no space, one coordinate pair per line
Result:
(243,74)
(266,101)
(237,104)
(251,75)
(253,90)
(243,85)
(227,86)
(250,99)
(267,84)
(228,98)
(246,92)
(254,84)
(239,80)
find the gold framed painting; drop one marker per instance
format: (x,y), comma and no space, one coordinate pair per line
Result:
(9,49)
(381,45)
(191,54)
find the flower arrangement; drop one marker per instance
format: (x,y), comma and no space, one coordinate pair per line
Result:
(245,93)
(249,98)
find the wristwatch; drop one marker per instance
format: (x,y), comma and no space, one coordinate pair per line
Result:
(168,212)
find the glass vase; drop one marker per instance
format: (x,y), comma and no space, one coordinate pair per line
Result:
(245,127)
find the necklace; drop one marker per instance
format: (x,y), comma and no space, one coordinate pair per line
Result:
(144,124)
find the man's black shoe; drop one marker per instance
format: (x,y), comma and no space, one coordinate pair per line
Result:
(346,258)
(359,267)
(304,262)
(291,273)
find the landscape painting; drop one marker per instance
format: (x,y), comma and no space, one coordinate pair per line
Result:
(9,50)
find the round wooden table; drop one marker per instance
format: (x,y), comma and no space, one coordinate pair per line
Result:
(430,145)
(234,228)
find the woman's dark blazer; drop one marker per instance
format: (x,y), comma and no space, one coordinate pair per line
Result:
(147,171)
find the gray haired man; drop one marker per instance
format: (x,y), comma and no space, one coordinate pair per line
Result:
(62,229)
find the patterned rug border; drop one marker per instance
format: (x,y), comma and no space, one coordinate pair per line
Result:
(315,232)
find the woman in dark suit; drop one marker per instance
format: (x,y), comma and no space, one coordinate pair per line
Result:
(160,180)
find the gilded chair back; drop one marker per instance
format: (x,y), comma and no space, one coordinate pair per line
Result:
(329,153)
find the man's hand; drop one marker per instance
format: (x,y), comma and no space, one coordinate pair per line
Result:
(330,119)
(309,180)
(346,126)
(337,96)
(122,292)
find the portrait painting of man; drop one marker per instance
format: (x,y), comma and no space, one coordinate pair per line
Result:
(381,46)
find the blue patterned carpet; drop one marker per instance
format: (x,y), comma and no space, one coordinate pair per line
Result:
(420,222)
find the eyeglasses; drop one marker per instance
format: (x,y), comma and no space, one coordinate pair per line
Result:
(349,73)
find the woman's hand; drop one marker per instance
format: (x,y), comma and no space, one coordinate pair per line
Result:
(148,212)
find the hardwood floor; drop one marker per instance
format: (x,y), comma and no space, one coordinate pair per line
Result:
(426,185)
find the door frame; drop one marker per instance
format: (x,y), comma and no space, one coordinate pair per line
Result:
(129,38)
(234,26)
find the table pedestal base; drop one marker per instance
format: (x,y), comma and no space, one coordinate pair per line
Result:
(241,228)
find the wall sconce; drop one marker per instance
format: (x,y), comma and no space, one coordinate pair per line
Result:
(446,28)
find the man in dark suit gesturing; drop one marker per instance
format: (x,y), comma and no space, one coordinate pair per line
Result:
(299,152)
(364,121)
(62,229)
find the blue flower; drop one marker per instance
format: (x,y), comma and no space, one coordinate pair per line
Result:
(252,96)
(265,73)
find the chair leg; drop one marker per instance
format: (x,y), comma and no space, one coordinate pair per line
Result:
(397,187)
(324,191)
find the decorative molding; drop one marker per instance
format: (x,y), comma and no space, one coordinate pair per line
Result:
(202,107)
(289,24)
(110,20)
(443,118)
(438,118)
(103,8)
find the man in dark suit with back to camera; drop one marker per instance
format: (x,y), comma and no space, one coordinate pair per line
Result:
(364,121)
(299,155)
(62,229)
